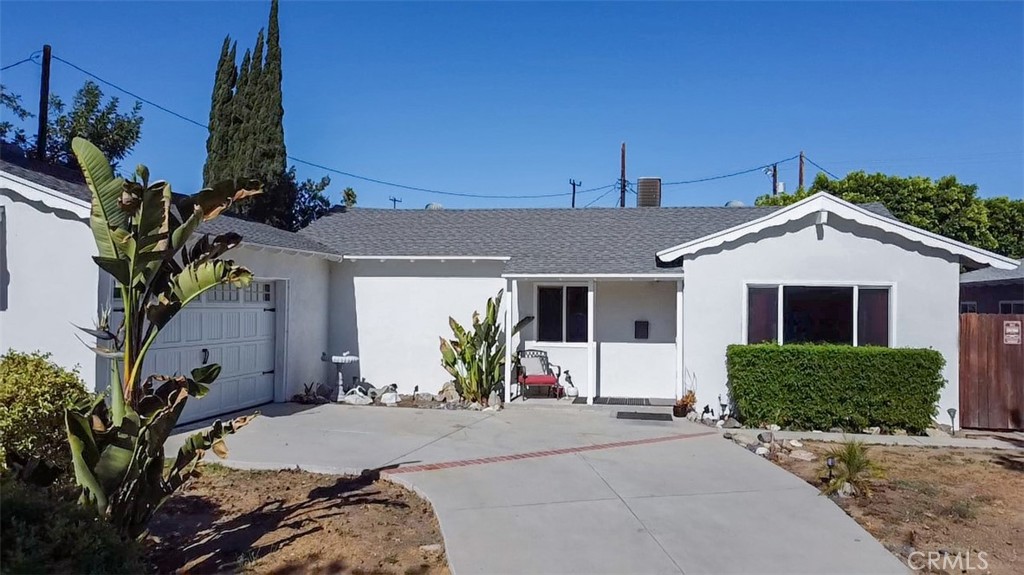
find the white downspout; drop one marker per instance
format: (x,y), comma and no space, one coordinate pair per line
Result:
(591,345)
(679,339)
(510,321)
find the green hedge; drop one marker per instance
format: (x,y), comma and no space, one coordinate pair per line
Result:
(824,386)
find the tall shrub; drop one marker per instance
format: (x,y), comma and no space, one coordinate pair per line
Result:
(34,393)
(824,386)
(145,243)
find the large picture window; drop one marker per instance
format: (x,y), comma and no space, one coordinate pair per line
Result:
(562,313)
(850,315)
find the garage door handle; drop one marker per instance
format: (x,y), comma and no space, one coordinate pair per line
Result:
(206,356)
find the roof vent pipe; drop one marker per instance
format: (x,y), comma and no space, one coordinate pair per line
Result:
(648,193)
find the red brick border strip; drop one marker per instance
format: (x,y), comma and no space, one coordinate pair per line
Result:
(536,454)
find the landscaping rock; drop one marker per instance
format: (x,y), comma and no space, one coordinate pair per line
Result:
(427,397)
(898,431)
(836,430)
(449,393)
(720,424)
(762,451)
(795,443)
(774,427)
(692,416)
(495,407)
(743,439)
(494,398)
(432,548)
(766,437)
(944,427)
(847,490)
(474,406)
(872,430)
(731,423)
(802,455)
(932,432)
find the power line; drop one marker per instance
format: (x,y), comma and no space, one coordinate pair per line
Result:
(18,63)
(611,189)
(321,166)
(815,164)
(740,173)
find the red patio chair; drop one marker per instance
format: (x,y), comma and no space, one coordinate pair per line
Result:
(536,371)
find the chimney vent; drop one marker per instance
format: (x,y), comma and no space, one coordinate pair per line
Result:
(648,193)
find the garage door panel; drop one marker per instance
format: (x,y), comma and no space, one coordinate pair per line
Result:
(192,325)
(232,328)
(249,321)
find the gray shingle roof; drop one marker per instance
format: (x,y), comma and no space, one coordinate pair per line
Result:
(64,181)
(538,240)
(994,275)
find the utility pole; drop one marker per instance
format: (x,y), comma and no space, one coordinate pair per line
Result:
(44,104)
(775,179)
(622,179)
(801,180)
(574,183)
(394,202)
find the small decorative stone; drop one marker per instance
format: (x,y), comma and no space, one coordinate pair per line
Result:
(836,430)
(424,396)
(766,437)
(432,548)
(762,451)
(743,439)
(847,490)
(473,406)
(774,427)
(899,431)
(692,416)
(802,455)
(731,423)
(873,430)
(795,443)
(727,435)
(719,424)
(932,432)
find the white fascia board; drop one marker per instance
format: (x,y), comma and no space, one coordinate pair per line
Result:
(823,202)
(430,258)
(39,192)
(281,250)
(646,276)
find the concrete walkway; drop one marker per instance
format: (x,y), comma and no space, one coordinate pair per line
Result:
(553,491)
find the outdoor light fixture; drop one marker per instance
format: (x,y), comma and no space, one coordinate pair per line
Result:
(723,406)
(830,462)
(952,417)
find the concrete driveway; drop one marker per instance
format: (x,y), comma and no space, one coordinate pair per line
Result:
(567,490)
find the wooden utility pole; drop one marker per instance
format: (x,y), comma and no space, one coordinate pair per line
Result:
(44,104)
(622,179)
(574,183)
(394,202)
(801,180)
(775,179)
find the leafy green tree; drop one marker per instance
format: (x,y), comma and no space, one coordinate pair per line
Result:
(311,202)
(1006,224)
(221,113)
(90,116)
(348,195)
(8,131)
(944,206)
(113,132)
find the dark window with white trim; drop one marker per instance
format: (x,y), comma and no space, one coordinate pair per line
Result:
(562,313)
(818,314)
(968,307)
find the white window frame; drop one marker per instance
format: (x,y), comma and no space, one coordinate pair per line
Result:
(780,327)
(565,310)
(1011,303)
(969,304)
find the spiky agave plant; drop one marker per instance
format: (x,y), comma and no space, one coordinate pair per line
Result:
(144,241)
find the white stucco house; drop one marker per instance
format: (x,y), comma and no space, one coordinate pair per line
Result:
(634,302)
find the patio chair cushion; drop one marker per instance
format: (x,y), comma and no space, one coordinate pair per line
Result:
(540,380)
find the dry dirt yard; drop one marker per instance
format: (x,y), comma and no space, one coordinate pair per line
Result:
(285,522)
(939,499)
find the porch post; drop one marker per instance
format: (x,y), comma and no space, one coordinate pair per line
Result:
(510,297)
(679,339)
(591,346)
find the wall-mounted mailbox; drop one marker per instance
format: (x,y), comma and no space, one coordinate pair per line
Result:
(641,329)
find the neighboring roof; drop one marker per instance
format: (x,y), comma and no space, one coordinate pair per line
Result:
(536,240)
(70,182)
(824,204)
(993,275)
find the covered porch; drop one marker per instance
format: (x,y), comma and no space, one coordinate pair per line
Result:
(614,336)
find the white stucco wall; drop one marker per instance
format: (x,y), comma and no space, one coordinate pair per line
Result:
(48,280)
(626,367)
(303,335)
(392,313)
(924,296)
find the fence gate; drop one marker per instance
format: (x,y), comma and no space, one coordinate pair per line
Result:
(991,371)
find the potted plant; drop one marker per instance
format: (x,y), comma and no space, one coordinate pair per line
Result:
(684,404)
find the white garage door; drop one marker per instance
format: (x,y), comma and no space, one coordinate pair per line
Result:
(232,327)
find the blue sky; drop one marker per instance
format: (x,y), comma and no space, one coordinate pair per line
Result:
(514,98)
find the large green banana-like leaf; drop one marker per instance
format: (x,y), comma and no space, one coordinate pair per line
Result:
(196,445)
(106,214)
(84,456)
(191,282)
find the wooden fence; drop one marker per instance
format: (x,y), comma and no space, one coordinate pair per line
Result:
(991,371)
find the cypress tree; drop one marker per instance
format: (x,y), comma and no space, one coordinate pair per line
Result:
(277,155)
(242,113)
(221,116)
